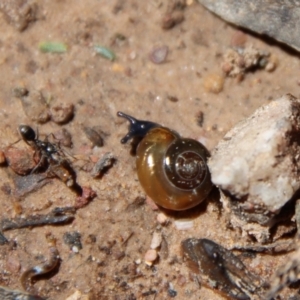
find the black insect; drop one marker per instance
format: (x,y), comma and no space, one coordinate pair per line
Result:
(47,150)
(51,156)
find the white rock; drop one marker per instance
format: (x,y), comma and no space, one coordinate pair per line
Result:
(256,162)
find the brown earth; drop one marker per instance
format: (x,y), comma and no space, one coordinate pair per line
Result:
(116,230)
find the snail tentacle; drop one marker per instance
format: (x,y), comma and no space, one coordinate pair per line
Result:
(137,128)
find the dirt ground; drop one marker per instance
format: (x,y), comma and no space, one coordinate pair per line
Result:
(117,226)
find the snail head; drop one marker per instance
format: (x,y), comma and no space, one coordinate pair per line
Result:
(137,128)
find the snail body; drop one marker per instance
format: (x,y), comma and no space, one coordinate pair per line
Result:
(172,170)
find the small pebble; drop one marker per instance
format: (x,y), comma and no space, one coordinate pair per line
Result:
(227,67)
(238,61)
(150,257)
(73,239)
(105,162)
(156,240)
(34,104)
(162,218)
(271,64)
(20,160)
(172,19)
(213,83)
(13,264)
(159,55)
(172,293)
(62,113)
(270,67)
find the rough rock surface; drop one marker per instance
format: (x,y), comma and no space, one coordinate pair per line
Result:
(275,18)
(257,162)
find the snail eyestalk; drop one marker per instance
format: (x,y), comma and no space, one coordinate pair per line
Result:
(137,128)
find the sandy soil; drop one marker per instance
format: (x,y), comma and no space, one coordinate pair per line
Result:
(116,228)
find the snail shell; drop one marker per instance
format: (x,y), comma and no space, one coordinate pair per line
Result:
(172,170)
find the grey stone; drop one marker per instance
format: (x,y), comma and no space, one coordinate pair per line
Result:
(278,19)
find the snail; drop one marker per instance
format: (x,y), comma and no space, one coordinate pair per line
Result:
(172,170)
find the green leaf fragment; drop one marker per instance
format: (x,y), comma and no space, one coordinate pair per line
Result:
(52,47)
(105,52)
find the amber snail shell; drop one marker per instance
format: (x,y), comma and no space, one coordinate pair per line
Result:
(172,170)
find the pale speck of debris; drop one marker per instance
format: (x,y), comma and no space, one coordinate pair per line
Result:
(77,295)
(184,224)
(156,240)
(75,249)
(162,219)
